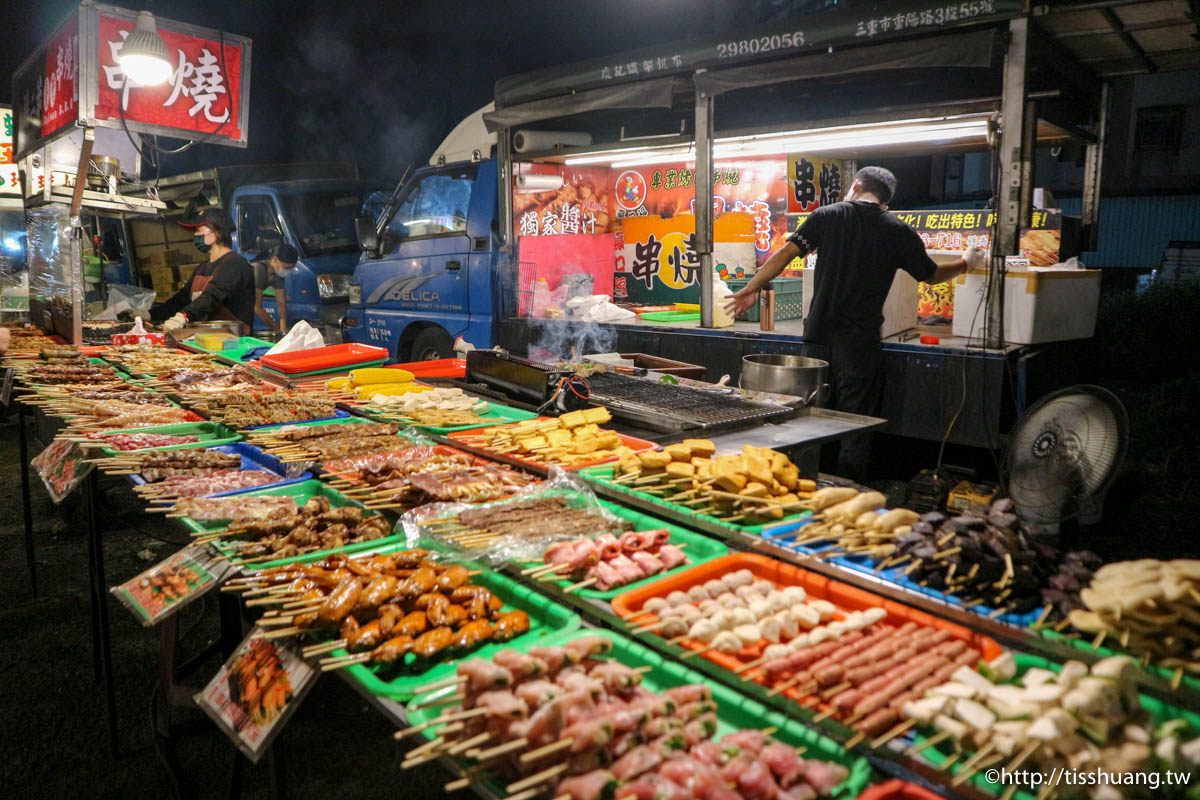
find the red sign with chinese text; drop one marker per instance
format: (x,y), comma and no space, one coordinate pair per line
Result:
(60,88)
(201,96)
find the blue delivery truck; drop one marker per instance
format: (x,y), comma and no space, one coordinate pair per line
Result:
(431,263)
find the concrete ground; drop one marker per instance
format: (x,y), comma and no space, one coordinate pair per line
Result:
(53,729)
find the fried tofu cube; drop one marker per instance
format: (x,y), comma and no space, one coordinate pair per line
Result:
(778,488)
(759,469)
(755,489)
(585,446)
(608,440)
(678,469)
(573,419)
(652,459)
(731,481)
(597,415)
(703,467)
(558,437)
(790,478)
(531,443)
(700,447)
(628,463)
(679,452)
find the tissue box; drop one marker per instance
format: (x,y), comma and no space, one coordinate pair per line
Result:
(138,338)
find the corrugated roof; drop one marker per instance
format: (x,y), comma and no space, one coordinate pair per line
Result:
(1123,38)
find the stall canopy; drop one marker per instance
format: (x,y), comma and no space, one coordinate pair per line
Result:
(646,94)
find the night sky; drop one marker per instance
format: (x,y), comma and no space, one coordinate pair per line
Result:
(382,82)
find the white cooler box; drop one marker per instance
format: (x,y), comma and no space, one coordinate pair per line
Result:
(1039,305)
(899,309)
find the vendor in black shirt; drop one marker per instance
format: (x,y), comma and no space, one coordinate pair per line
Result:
(220,288)
(859,247)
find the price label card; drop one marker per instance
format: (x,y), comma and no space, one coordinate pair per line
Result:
(62,467)
(256,691)
(172,583)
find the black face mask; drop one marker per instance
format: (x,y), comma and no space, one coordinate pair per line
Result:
(201,245)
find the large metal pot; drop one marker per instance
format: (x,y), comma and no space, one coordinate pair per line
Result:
(798,376)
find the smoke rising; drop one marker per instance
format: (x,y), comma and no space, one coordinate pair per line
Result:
(561,340)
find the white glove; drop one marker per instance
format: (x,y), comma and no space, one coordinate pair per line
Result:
(975,258)
(174,323)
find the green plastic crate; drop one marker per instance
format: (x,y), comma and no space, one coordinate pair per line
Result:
(700,549)
(1188,680)
(303,492)
(603,473)
(734,711)
(789,298)
(1159,713)
(245,344)
(546,618)
(210,434)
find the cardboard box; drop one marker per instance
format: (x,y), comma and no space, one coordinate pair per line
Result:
(163,279)
(899,308)
(158,231)
(184,271)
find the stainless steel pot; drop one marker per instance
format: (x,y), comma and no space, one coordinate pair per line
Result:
(798,376)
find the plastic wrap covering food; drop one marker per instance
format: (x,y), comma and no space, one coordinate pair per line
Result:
(49,255)
(516,529)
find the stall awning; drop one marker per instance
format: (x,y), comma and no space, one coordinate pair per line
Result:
(655,93)
(953,51)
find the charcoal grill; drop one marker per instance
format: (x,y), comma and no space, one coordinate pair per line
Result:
(670,407)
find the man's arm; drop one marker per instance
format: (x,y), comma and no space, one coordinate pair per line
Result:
(168,307)
(261,312)
(281,304)
(973,258)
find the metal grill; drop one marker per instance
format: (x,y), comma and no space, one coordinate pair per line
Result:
(665,406)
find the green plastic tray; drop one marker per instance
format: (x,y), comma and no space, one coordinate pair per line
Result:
(329,371)
(1159,713)
(245,345)
(397,681)
(210,434)
(671,316)
(603,473)
(734,711)
(1190,681)
(302,492)
(508,413)
(700,549)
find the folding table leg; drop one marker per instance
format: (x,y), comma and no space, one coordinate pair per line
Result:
(26,503)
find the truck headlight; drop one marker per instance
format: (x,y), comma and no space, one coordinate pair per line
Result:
(355,294)
(332,286)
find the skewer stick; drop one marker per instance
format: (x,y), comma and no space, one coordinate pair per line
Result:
(581,585)
(456,716)
(893,733)
(467,744)
(1023,755)
(325,647)
(691,653)
(500,750)
(936,739)
(535,779)
(429,687)
(970,765)
(745,668)
(841,687)
(534,755)
(824,715)
(855,740)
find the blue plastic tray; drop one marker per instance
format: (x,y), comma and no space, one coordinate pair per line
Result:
(892,575)
(252,459)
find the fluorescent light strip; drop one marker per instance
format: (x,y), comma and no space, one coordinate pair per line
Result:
(860,135)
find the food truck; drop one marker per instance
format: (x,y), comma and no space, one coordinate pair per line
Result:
(597,168)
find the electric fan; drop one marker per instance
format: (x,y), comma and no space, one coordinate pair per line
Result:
(1063,454)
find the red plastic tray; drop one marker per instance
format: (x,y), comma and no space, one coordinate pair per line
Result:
(632,442)
(896,789)
(441,368)
(330,357)
(845,597)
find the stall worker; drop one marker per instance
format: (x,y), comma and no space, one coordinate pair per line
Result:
(859,247)
(220,288)
(269,273)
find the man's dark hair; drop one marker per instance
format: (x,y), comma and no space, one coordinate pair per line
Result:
(878,181)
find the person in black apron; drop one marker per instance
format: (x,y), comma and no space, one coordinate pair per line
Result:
(220,288)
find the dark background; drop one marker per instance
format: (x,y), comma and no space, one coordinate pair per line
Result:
(382,82)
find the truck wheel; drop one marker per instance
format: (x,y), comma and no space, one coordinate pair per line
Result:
(431,344)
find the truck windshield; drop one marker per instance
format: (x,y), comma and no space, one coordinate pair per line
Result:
(324,221)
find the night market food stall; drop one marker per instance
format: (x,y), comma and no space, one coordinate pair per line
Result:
(554,601)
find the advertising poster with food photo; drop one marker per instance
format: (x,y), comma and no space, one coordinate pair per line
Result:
(256,691)
(172,583)
(582,205)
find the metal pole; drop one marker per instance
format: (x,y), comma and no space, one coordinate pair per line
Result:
(504,186)
(1008,203)
(77,286)
(1093,167)
(704,204)
(1028,163)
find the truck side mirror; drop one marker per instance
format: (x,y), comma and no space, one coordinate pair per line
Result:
(368,237)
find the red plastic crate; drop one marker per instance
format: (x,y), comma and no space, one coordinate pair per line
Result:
(896,789)
(440,368)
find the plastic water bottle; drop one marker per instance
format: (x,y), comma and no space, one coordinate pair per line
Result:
(541,297)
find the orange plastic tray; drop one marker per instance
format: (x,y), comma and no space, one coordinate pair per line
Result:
(845,597)
(330,357)
(896,789)
(632,442)
(441,368)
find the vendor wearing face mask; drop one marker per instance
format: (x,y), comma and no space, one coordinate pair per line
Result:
(222,288)
(269,273)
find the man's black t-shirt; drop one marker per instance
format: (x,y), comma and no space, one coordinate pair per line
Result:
(859,248)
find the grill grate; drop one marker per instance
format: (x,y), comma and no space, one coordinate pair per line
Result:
(678,406)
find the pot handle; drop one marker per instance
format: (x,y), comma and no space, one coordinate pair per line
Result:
(821,391)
